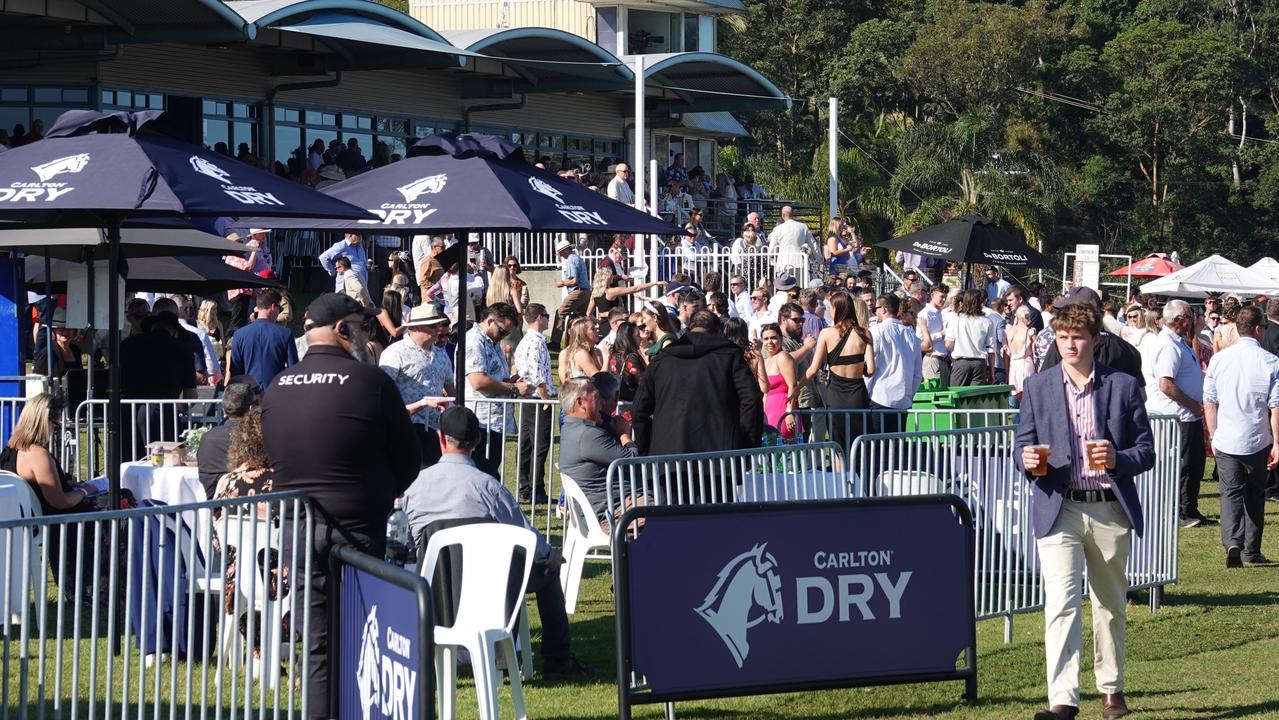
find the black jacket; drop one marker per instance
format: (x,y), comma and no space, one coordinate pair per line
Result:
(336,429)
(1112,351)
(211,457)
(698,395)
(1271,339)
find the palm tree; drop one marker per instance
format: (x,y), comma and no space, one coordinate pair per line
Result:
(947,170)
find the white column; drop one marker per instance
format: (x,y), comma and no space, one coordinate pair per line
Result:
(833,151)
(641,158)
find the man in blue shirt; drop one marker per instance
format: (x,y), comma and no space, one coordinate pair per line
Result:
(263,348)
(352,248)
(576,284)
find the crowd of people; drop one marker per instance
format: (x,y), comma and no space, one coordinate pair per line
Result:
(357,411)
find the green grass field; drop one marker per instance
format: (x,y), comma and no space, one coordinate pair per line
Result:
(1210,652)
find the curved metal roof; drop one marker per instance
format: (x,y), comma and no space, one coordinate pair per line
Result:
(265,13)
(705,82)
(548,58)
(345,35)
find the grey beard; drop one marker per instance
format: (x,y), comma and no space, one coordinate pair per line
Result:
(361,353)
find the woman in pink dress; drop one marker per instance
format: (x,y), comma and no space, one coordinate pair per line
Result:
(779,370)
(1021,345)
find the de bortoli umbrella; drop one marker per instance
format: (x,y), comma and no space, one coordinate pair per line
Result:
(96,171)
(473,183)
(969,239)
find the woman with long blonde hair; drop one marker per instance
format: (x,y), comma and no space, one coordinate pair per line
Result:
(580,357)
(27,455)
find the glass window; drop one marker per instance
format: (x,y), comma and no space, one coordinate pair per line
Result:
(215,131)
(288,141)
(11,116)
(76,96)
(690,32)
(288,115)
(14,95)
(48,95)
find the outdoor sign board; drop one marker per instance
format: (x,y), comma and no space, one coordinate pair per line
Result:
(774,597)
(383,641)
(1088,266)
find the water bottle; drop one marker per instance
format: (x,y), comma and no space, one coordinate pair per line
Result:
(397,535)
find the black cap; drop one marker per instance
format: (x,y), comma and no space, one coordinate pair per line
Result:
(1080,294)
(331,307)
(459,423)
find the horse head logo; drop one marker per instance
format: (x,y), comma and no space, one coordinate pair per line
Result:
(546,189)
(747,592)
(204,167)
(68,164)
(367,677)
(422,186)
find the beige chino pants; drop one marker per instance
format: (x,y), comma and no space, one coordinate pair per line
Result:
(1101,534)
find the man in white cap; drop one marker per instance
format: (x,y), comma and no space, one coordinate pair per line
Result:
(576,284)
(351,247)
(421,372)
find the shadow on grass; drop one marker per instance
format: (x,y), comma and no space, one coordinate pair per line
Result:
(1207,599)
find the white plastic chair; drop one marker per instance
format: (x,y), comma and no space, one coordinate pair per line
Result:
(251,537)
(582,533)
(17,502)
(895,483)
(483,624)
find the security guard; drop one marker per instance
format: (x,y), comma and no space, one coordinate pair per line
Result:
(336,429)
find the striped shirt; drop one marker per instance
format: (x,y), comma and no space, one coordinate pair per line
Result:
(1083,427)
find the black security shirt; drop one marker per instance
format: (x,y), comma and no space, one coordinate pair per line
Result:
(336,429)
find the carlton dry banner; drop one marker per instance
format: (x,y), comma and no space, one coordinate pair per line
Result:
(383,642)
(748,599)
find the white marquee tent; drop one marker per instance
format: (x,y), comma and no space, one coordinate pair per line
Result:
(1267,266)
(1213,274)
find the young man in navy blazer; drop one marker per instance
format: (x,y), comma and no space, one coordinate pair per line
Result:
(1084,504)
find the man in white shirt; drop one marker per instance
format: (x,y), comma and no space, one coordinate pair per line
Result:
(789,240)
(1178,390)
(421,372)
(740,297)
(1241,399)
(898,365)
(932,337)
(996,286)
(533,364)
(618,189)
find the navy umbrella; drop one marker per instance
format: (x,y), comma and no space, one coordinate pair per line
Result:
(475,182)
(472,183)
(95,170)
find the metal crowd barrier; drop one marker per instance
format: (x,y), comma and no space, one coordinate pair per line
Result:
(143,421)
(527,433)
(843,425)
(813,471)
(143,611)
(978,466)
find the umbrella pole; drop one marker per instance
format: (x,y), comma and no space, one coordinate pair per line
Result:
(459,353)
(113,344)
(49,310)
(92,303)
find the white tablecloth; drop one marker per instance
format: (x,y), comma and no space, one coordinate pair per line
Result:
(171,486)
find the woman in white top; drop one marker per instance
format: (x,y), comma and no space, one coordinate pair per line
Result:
(969,337)
(1146,344)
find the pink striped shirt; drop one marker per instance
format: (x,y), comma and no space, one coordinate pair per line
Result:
(1083,427)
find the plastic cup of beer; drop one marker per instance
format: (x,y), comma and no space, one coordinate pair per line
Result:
(1093,465)
(1042,451)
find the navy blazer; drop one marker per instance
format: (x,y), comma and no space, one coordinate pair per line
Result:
(1121,415)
